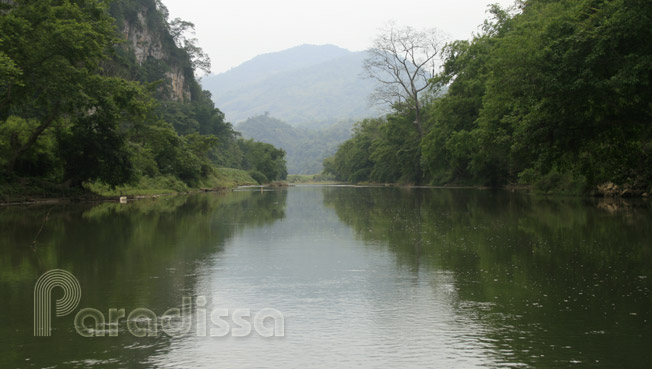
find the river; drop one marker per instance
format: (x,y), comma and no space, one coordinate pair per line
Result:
(361,277)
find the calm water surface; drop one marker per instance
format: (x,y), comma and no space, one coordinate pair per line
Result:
(365,277)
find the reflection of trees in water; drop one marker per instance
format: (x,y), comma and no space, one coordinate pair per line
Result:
(142,232)
(552,269)
(142,254)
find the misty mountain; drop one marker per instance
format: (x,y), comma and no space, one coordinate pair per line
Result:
(307,85)
(306,148)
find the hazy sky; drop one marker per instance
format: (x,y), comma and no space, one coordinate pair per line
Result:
(234,31)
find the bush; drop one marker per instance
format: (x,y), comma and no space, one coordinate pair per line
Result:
(259,177)
(554,182)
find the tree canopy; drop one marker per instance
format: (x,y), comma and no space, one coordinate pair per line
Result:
(554,94)
(77,105)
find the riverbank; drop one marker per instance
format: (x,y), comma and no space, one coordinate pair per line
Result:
(35,190)
(607,190)
(312,179)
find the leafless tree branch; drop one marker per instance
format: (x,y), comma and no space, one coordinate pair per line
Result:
(403,60)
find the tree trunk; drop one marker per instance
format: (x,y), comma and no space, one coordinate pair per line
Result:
(11,164)
(417,119)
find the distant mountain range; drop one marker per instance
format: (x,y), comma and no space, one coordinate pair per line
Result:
(306,148)
(308,85)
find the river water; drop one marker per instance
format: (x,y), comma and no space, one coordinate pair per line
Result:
(363,277)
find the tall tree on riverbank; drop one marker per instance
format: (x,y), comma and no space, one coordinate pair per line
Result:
(403,60)
(105,91)
(553,93)
(55,49)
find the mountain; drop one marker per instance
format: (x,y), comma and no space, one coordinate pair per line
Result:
(305,148)
(307,85)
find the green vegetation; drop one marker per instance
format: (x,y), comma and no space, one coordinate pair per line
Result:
(80,104)
(220,177)
(20,190)
(306,148)
(230,177)
(145,186)
(554,94)
(311,178)
(264,159)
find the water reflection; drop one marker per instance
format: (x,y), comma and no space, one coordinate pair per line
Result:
(365,277)
(143,254)
(344,301)
(559,281)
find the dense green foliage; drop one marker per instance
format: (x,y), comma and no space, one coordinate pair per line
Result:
(381,150)
(55,94)
(266,162)
(554,93)
(306,148)
(77,103)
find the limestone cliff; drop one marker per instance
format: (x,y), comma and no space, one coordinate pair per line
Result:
(143,24)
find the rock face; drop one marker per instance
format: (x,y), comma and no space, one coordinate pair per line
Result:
(147,46)
(141,39)
(609,189)
(178,86)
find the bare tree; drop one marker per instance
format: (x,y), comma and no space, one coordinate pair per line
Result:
(403,60)
(182,32)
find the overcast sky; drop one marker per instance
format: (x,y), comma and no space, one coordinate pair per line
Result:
(234,31)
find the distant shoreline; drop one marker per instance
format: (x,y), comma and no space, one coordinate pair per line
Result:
(86,196)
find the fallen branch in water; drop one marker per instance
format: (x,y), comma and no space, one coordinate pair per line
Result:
(47,215)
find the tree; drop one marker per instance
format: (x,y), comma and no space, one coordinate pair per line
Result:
(51,50)
(264,158)
(403,61)
(182,32)
(352,162)
(95,146)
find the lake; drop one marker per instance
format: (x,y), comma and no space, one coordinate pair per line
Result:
(363,277)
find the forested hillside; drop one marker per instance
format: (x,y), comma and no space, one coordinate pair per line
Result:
(108,94)
(555,94)
(306,148)
(308,86)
